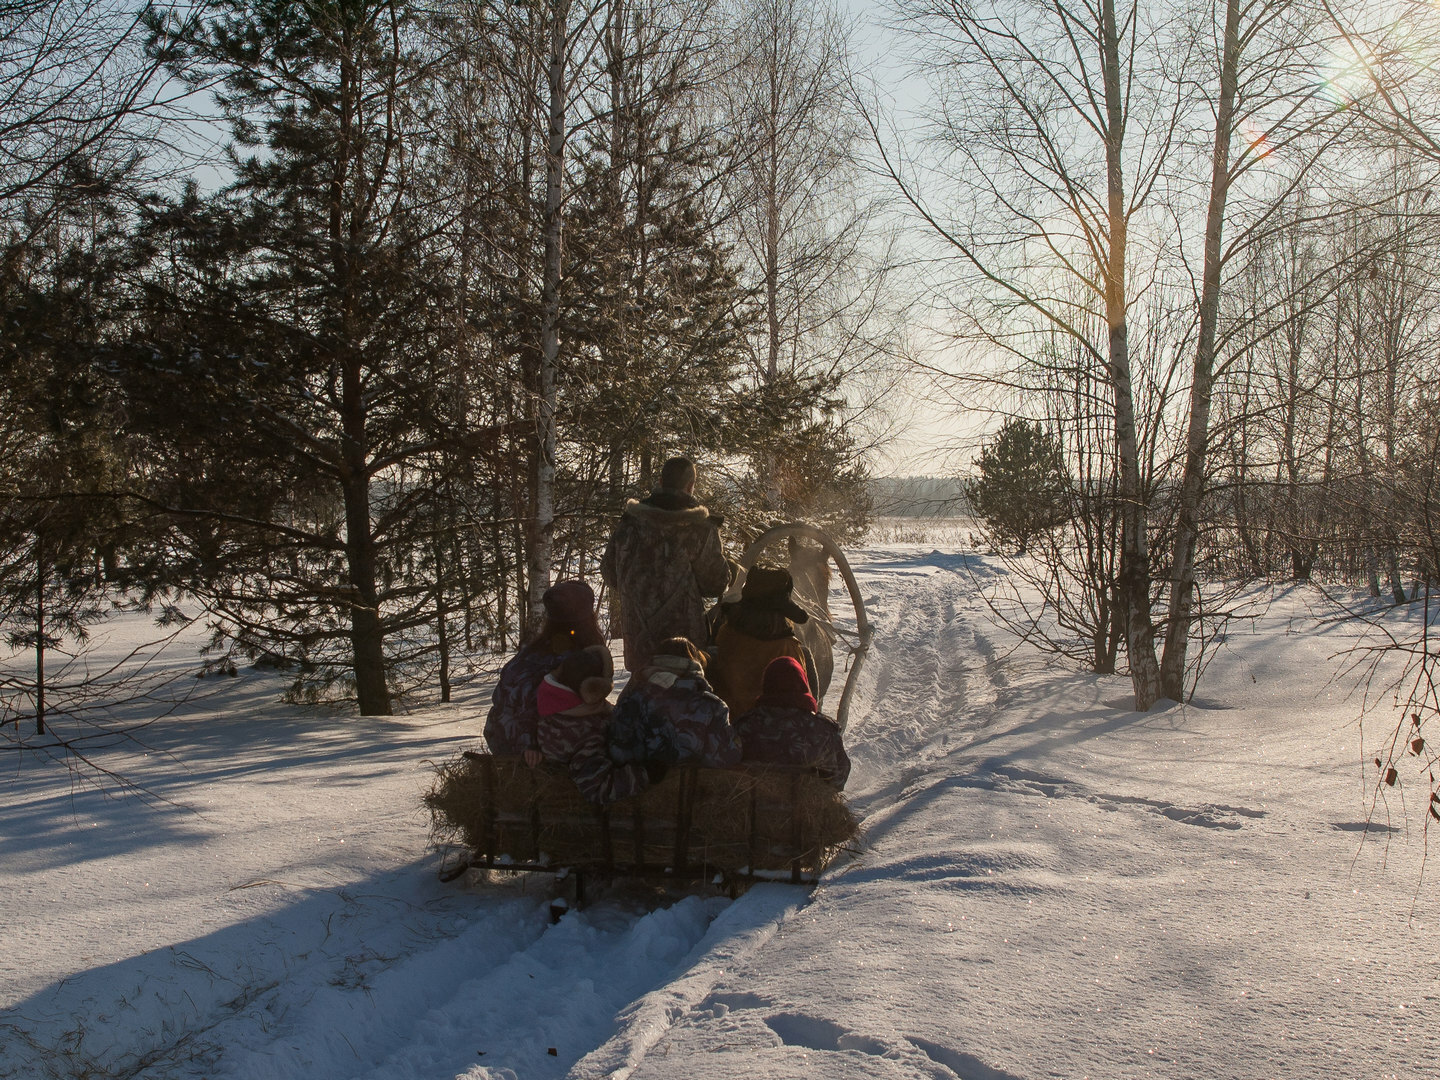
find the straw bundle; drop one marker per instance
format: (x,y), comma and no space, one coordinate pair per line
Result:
(748,819)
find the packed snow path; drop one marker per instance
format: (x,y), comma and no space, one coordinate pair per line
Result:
(1052,886)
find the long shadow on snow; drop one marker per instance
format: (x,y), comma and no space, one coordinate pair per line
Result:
(968,767)
(1059,729)
(208,752)
(956,562)
(321,960)
(946,871)
(920,787)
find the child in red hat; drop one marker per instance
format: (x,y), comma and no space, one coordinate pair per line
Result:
(786,728)
(569,626)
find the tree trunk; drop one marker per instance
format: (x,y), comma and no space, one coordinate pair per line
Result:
(443,644)
(1135,555)
(367,638)
(1392,570)
(619,113)
(772,264)
(442,629)
(1301,563)
(346,222)
(543,524)
(1192,483)
(40,576)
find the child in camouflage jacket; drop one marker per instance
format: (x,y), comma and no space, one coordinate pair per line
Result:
(669,715)
(574,707)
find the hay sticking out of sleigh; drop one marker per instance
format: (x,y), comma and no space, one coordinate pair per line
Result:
(743,821)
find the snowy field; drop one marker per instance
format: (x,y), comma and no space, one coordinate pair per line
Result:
(1052,885)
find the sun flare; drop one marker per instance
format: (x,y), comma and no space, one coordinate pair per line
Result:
(1348,74)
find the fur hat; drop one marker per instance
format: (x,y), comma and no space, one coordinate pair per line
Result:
(569,601)
(582,680)
(768,588)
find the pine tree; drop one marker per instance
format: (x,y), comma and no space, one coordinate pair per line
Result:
(1019,492)
(297,368)
(67,541)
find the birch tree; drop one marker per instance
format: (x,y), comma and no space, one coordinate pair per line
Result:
(557,93)
(1045,189)
(1264,102)
(814,252)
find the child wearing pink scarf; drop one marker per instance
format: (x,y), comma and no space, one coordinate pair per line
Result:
(574,706)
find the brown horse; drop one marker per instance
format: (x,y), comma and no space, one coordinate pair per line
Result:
(810,570)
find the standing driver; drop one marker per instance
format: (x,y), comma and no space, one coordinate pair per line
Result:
(663,559)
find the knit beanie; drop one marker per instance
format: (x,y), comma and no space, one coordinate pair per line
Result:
(569,601)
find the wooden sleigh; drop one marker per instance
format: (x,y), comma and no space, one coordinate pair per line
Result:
(724,826)
(729,827)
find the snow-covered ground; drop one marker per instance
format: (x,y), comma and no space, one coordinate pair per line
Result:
(1052,885)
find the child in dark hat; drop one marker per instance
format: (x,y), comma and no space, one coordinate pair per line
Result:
(754,630)
(786,728)
(569,602)
(771,588)
(569,626)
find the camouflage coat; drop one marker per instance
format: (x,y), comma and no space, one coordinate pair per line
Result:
(667,713)
(511,723)
(785,735)
(663,559)
(578,743)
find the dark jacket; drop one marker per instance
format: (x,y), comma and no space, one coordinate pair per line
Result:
(786,735)
(578,742)
(668,714)
(511,723)
(663,558)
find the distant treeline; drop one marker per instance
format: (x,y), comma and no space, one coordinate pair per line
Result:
(919,497)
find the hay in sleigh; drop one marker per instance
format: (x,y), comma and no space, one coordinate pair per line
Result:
(754,819)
